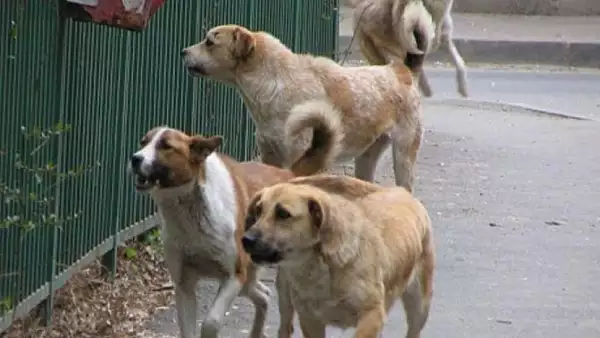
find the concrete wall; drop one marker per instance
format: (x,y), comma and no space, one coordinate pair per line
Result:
(529,7)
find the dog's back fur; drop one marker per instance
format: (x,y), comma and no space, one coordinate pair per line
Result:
(323,119)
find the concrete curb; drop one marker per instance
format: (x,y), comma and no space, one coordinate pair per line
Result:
(574,54)
(524,7)
(529,7)
(504,106)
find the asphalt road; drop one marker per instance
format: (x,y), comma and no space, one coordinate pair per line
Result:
(515,201)
(570,92)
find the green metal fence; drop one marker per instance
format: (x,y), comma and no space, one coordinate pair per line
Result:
(110,86)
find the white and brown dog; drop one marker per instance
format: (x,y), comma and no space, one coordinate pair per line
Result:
(363,108)
(202,197)
(346,250)
(387,29)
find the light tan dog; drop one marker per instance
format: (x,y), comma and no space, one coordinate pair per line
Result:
(388,29)
(363,109)
(202,197)
(346,250)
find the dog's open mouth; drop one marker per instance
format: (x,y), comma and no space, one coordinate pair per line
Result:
(196,71)
(143,183)
(270,258)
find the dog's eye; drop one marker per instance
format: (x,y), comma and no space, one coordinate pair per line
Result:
(209,42)
(250,220)
(143,142)
(252,217)
(281,213)
(163,145)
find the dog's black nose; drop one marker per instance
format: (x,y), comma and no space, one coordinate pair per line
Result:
(136,160)
(249,242)
(183,52)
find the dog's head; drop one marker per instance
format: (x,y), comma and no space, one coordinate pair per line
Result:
(283,222)
(170,158)
(220,52)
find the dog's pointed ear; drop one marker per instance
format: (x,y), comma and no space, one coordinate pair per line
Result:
(253,212)
(201,147)
(244,42)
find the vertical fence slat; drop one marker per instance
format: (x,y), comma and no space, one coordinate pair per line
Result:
(53,237)
(111,86)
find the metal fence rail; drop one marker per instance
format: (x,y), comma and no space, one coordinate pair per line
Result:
(110,86)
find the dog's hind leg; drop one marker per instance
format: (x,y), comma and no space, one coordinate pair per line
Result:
(286,309)
(263,288)
(228,291)
(417,295)
(366,163)
(405,147)
(416,313)
(260,300)
(424,85)
(457,60)
(258,293)
(368,49)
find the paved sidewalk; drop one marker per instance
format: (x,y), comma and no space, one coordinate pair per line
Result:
(514,201)
(570,41)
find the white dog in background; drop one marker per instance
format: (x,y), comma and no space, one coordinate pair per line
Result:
(388,29)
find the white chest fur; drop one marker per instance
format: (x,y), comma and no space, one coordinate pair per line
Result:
(199,220)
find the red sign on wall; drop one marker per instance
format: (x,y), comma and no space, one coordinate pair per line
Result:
(126,14)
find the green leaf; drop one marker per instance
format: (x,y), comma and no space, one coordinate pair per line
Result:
(29,225)
(130,253)
(36,131)
(6,304)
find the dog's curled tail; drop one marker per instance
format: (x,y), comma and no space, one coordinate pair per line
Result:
(327,134)
(416,30)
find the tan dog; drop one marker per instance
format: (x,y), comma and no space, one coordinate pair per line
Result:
(346,249)
(388,29)
(367,107)
(202,197)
